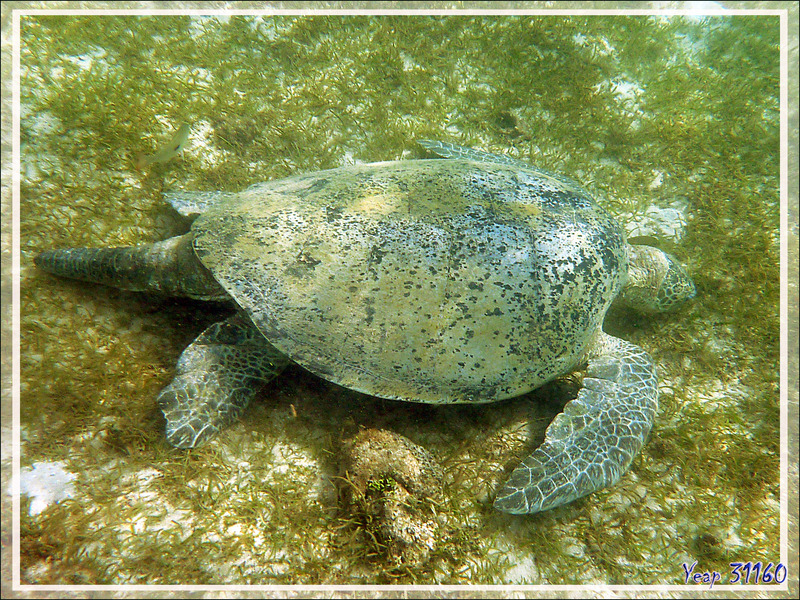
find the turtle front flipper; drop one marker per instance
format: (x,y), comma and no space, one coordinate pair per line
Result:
(216,377)
(453,151)
(592,443)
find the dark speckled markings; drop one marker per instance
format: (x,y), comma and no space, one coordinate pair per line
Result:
(482,292)
(470,279)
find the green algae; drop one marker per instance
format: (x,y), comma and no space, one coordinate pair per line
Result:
(610,101)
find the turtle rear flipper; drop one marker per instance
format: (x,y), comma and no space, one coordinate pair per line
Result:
(216,377)
(592,443)
(191,204)
(169,267)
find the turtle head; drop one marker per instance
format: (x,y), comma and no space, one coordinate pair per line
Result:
(657,282)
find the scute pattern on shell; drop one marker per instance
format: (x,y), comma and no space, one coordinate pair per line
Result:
(429,280)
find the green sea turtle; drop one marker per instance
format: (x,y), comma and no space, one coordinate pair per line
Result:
(465,280)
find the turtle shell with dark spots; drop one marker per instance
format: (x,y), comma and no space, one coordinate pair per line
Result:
(437,281)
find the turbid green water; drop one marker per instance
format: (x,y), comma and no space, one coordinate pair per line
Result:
(647,112)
